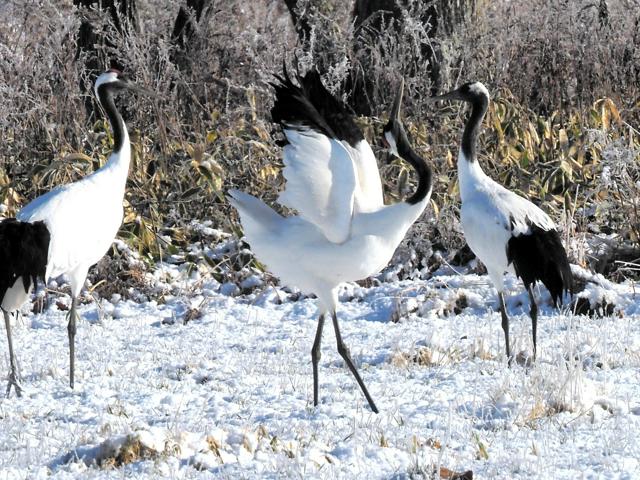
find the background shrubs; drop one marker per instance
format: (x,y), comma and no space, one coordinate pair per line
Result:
(562,127)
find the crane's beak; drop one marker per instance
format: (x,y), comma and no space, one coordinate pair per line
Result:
(134,87)
(138,89)
(452,95)
(393,130)
(395,111)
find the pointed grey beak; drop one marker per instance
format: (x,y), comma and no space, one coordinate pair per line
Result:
(125,82)
(395,111)
(452,95)
(138,89)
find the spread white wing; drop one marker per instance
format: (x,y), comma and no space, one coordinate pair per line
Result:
(368,195)
(321,181)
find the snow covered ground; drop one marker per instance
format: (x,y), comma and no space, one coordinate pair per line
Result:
(205,383)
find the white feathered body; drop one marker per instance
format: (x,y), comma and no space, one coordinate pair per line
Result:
(343,231)
(15,296)
(82,217)
(368,193)
(491,215)
(298,252)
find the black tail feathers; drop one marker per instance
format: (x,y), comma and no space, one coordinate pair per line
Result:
(540,255)
(24,250)
(309,104)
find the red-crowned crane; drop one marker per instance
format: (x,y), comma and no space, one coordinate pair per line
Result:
(343,231)
(506,232)
(82,218)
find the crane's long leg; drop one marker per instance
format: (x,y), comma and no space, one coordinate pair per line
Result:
(505,326)
(534,319)
(344,353)
(71,330)
(13,375)
(315,357)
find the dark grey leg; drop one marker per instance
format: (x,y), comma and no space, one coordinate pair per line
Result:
(346,356)
(71,329)
(315,357)
(505,326)
(534,319)
(13,374)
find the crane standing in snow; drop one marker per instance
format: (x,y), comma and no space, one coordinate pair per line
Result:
(81,218)
(343,232)
(504,230)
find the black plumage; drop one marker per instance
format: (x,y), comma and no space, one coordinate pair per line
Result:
(309,104)
(394,129)
(539,255)
(24,249)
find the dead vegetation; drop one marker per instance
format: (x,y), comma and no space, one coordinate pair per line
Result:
(562,127)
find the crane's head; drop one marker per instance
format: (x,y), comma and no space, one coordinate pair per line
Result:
(471,92)
(393,132)
(114,81)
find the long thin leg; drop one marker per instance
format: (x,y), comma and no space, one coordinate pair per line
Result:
(13,375)
(71,329)
(505,326)
(534,319)
(344,353)
(315,357)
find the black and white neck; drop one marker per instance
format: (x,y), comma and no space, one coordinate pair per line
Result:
(469,171)
(400,146)
(106,86)
(478,96)
(120,135)
(395,138)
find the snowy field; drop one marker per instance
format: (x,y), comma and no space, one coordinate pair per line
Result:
(206,382)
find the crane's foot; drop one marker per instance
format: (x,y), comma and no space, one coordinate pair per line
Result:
(14,381)
(525,360)
(14,378)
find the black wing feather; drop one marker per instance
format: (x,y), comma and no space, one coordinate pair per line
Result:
(539,255)
(24,250)
(310,104)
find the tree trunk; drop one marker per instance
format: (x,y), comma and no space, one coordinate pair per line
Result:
(185,29)
(375,18)
(302,26)
(97,42)
(92,41)
(372,18)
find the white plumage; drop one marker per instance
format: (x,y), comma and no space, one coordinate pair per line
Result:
(15,296)
(343,231)
(491,215)
(84,217)
(321,182)
(506,232)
